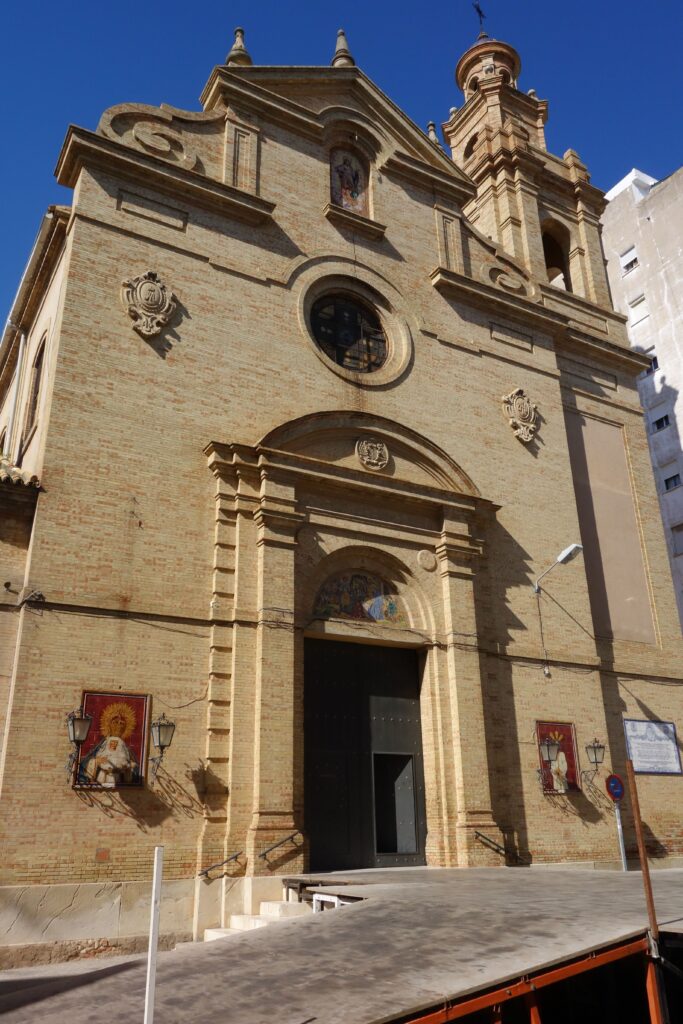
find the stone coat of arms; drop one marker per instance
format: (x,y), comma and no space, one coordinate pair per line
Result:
(149,303)
(522,414)
(372,452)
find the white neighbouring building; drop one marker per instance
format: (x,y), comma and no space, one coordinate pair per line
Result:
(643,241)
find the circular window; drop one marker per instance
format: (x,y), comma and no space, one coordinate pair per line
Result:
(349,332)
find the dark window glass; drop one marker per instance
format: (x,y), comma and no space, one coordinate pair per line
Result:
(34,391)
(671,482)
(654,365)
(661,423)
(349,333)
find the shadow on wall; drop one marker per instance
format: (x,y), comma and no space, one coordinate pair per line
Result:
(615,711)
(496,624)
(148,807)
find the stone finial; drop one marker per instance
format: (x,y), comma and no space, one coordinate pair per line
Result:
(238,56)
(431,133)
(342,55)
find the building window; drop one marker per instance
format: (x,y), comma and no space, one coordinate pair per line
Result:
(638,310)
(628,261)
(654,365)
(556,240)
(349,181)
(470,147)
(34,393)
(677,535)
(349,332)
(672,481)
(661,423)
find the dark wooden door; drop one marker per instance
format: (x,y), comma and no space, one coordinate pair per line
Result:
(364,779)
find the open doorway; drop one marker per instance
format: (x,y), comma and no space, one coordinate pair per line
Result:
(363,770)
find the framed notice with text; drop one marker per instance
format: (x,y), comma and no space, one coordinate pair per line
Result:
(653,747)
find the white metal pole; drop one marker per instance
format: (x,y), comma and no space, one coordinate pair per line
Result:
(620,833)
(153,934)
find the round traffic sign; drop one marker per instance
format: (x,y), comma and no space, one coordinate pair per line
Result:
(615,787)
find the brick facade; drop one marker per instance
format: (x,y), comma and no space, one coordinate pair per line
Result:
(199,485)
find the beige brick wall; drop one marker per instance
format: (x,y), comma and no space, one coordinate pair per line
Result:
(146,593)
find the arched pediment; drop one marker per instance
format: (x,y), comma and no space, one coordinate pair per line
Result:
(363,442)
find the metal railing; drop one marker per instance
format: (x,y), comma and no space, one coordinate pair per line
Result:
(493,844)
(287,839)
(221,864)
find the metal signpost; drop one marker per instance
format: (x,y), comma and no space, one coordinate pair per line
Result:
(153,934)
(615,789)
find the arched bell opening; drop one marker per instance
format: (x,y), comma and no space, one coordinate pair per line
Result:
(556,246)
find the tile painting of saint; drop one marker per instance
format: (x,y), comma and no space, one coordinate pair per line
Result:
(561,775)
(348,182)
(113,754)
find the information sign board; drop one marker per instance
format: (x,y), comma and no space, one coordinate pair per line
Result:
(653,747)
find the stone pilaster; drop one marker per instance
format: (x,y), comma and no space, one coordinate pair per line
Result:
(277,520)
(459,555)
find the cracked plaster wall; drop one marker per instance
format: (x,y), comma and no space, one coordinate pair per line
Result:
(111,910)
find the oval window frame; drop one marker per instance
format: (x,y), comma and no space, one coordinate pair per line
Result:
(396,329)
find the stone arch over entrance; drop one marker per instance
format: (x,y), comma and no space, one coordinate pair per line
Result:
(333,493)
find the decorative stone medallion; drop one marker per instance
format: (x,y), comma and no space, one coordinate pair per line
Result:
(522,414)
(426,560)
(149,303)
(372,453)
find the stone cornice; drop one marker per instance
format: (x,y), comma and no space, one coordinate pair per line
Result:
(41,265)
(449,282)
(225,86)
(227,460)
(83,148)
(248,86)
(559,324)
(354,222)
(403,166)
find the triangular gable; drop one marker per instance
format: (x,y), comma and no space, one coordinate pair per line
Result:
(310,97)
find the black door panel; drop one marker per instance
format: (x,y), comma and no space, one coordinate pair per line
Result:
(364,783)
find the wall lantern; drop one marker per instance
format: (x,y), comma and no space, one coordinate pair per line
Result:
(78,726)
(595,752)
(162,736)
(549,749)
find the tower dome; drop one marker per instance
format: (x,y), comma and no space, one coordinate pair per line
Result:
(488,57)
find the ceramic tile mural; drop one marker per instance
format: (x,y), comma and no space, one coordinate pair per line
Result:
(560,775)
(115,751)
(348,182)
(358,595)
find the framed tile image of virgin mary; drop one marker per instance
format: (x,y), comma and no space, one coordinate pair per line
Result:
(115,753)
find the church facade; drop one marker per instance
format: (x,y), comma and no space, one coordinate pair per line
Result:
(296,407)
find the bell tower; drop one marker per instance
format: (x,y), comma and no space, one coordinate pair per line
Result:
(541,208)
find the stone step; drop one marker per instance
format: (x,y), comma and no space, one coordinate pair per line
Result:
(281,908)
(245,922)
(211,934)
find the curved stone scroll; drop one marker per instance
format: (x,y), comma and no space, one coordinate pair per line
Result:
(164,132)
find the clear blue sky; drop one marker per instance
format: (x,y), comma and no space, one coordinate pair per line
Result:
(610,69)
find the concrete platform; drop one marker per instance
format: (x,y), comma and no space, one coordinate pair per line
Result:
(419,936)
